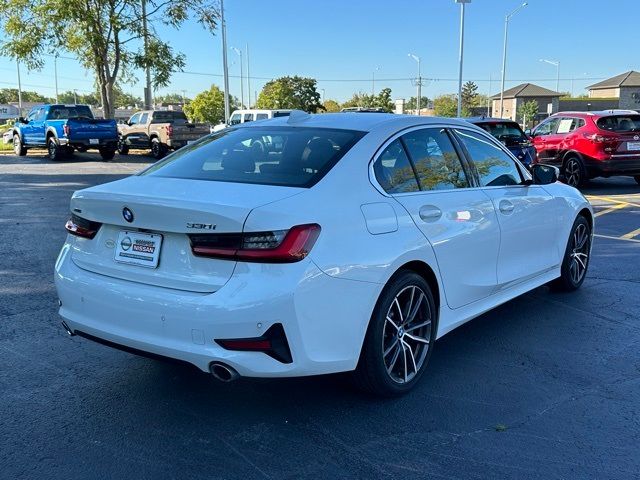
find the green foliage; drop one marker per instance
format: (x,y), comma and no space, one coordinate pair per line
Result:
(102,34)
(208,106)
(411,104)
(469,95)
(11,95)
(290,92)
(382,100)
(331,106)
(446,105)
(172,98)
(528,111)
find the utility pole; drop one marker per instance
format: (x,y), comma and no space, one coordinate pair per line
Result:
(462,4)
(373,82)
(184,98)
(248,79)
(145,33)
(504,54)
(75,96)
(55,73)
(224,63)
(19,88)
(418,82)
(489,101)
(239,52)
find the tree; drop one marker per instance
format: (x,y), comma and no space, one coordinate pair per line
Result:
(101,34)
(290,92)
(411,104)
(469,95)
(172,98)
(11,95)
(528,112)
(382,100)
(331,106)
(446,105)
(208,106)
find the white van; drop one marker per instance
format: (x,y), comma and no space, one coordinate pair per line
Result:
(250,115)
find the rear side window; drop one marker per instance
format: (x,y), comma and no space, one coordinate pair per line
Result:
(394,171)
(437,164)
(620,123)
(567,125)
(289,156)
(248,117)
(235,119)
(261,116)
(144,118)
(495,167)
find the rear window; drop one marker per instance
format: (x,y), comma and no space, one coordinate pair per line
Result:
(289,156)
(70,111)
(504,130)
(168,116)
(281,114)
(620,123)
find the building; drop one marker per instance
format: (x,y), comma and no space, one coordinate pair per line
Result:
(624,87)
(515,97)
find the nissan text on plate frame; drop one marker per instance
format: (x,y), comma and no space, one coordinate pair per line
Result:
(315,244)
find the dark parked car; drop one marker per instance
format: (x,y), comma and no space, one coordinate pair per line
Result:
(585,145)
(511,135)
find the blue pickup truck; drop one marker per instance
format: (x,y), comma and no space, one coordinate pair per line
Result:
(63,129)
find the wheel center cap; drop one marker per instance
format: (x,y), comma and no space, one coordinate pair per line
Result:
(400,332)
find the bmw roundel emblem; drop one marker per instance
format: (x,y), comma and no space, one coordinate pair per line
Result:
(127,214)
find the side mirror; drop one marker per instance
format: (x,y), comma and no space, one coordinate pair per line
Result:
(544,174)
(528,132)
(22,120)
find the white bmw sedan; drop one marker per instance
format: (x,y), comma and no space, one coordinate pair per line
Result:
(315,244)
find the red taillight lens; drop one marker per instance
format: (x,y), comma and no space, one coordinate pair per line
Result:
(279,246)
(597,138)
(81,227)
(169,130)
(274,343)
(66,130)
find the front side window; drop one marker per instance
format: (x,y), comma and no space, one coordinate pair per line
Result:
(495,167)
(135,119)
(436,162)
(393,170)
(288,156)
(547,128)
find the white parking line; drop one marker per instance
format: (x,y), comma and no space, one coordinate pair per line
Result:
(617,238)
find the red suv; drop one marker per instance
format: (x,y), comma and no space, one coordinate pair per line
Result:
(585,145)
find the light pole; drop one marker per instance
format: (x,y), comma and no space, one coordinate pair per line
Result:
(462,4)
(418,82)
(148,100)
(19,88)
(225,68)
(248,79)
(55,74)
(239,52)
(504,54)
(322,90)
(75,96)
(556,64)
(373,82)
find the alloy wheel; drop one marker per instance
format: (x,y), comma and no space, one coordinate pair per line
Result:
(407,333)
(572,172)
(579,253)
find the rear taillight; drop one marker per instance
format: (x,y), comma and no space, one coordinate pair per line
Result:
(81,227)
(279,246)
(169,130)
(66,130)
(598,138)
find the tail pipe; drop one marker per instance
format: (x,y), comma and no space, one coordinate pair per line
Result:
(67,329)
(223,372)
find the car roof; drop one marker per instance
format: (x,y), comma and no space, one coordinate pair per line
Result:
(353,121)
(483,119)
(597,113)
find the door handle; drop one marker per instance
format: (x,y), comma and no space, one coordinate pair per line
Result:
(430,213)
(506,206)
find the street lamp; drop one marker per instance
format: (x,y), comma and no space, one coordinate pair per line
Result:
(55,74)
(556,64)
(418,82)
(239,53)
(504,54)
(19,87)
(373,81)
(462,4)
(223,28)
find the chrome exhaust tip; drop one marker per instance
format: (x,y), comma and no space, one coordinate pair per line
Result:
(67,329)
(223,372)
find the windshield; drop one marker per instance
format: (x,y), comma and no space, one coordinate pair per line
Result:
(66,112)
(505,131)
(289,156)
(620,123)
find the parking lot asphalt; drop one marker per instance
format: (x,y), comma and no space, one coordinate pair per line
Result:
(546,386)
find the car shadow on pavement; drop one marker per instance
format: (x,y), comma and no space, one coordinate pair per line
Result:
(611,186)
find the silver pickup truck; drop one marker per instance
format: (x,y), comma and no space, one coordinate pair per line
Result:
(159,131)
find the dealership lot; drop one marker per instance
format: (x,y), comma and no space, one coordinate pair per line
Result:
(546,386)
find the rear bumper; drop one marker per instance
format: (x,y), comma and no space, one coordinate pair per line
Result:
(615,165)
(86,142)
(175,143)
(324,318)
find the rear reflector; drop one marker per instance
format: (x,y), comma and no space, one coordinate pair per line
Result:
(273,343)
(278,246)
(81,227)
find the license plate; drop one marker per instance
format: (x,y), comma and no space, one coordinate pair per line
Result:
(633,146)
(94,141)
(137,248)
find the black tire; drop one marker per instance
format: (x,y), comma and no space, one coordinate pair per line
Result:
(18,148)
(574,172)
(637,177)
(54,150)
(81,148)
(123,148)
(576,257)
(158,149)
(107,153)
(377,372)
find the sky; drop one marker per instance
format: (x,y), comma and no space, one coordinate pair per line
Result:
(342,44)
